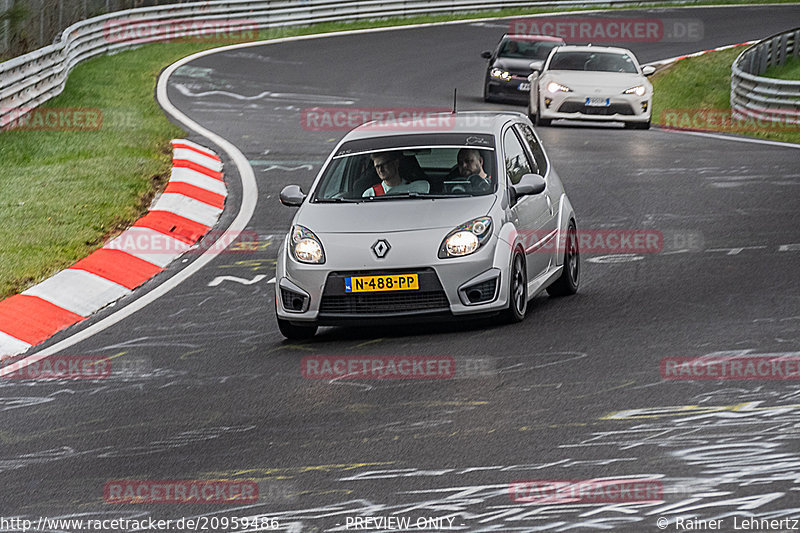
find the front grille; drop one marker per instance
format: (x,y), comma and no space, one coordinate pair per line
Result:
(482,292)
(579,107)
(430,296)
(377,303)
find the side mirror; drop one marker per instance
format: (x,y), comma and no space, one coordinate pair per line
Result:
(537,65)
(486,55)
(648,70)
(292,196)
(529,184)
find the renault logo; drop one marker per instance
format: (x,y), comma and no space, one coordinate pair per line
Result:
(381,248)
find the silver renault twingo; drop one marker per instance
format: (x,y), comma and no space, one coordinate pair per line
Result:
(458,214)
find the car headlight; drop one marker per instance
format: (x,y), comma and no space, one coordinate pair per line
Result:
(305,247)
(466,238)
(500,73)
(554,88)
(639,90)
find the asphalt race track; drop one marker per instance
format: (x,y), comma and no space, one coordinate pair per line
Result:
(212,391)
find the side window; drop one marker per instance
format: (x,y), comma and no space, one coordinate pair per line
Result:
(517,163)
(540,162)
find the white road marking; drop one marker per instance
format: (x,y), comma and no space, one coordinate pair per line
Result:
(244,281)
(733,138)
(313,98)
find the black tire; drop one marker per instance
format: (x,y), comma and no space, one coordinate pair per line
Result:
(486,96)
(567,283)
(638,125)
(517,290)
(296,332)
(542,121)
(531,115)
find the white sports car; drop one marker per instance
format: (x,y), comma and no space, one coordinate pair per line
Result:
(591,83)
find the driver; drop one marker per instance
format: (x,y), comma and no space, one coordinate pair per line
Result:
(387,165)
(470,162)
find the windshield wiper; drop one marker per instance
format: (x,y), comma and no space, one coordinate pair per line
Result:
(337,200)
(412,194)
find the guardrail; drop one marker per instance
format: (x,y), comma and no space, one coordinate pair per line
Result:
(761,98)
(31,79)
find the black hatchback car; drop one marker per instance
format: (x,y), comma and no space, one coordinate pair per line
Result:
(509,66)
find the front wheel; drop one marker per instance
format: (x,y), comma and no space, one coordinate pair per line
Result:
(542,121)
(517,290)
(295,332)
(567,282)
(638,125)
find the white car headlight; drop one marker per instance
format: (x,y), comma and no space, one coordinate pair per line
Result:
(554,88)
(305,247)
(639,90)
(500,73)
(466,238)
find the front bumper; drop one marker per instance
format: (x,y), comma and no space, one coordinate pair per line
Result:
(573,106)
(447,287)
(509,90)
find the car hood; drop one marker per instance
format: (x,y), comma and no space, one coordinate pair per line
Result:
(387,216)
(590,82)
(521,67)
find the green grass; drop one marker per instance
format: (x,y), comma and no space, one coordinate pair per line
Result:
(788,71)
(65,193)
(694,93)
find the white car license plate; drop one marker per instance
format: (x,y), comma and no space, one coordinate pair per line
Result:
(524,86)
(594,101)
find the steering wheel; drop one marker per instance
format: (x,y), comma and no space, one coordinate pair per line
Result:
(479,184)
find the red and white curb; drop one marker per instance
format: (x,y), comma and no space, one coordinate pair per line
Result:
(186,210)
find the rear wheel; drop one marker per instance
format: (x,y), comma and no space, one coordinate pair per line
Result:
(295,332)
(567,282)
(517,290)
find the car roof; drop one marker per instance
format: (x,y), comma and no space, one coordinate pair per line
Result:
(526,37)
(486,122)
(590,48)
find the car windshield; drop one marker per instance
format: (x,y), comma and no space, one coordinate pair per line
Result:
(526,49)
(593,61)
(398,173)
